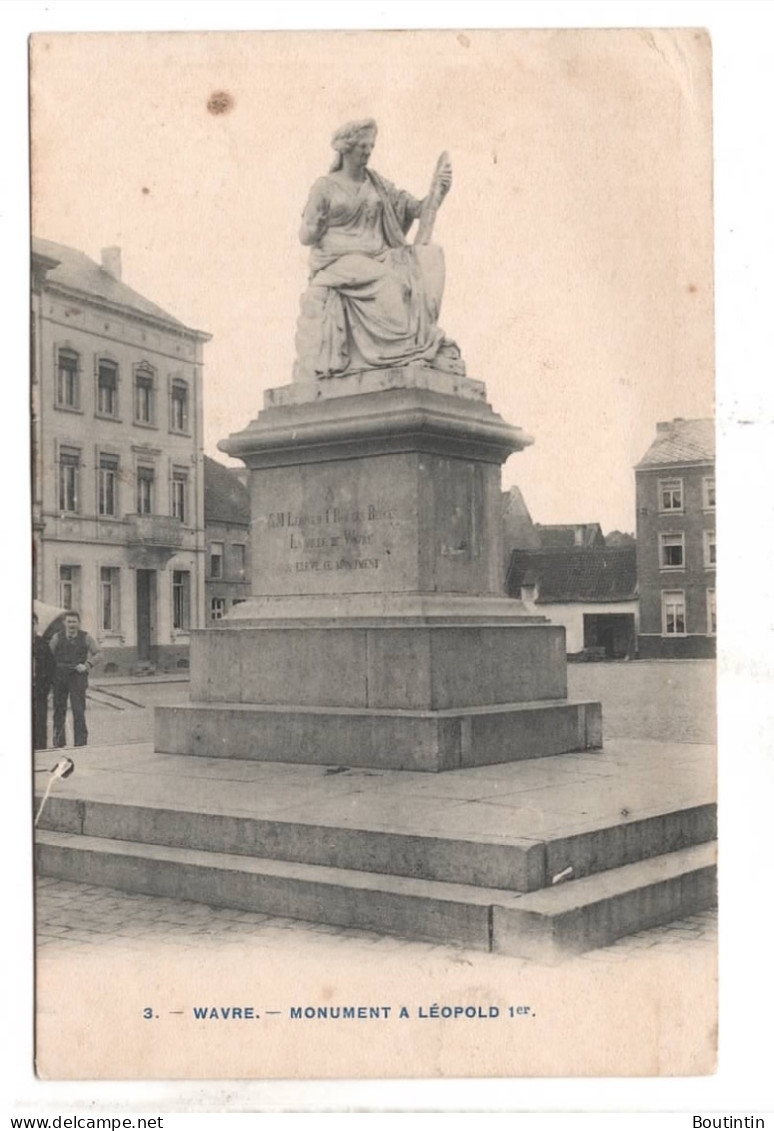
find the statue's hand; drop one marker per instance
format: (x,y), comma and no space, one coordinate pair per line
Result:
(443,180)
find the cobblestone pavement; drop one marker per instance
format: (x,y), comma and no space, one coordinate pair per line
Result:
(73,916)
(666,701)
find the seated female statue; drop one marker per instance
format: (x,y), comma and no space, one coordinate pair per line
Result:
(373,300)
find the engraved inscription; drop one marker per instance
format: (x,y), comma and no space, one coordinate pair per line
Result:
(333,539)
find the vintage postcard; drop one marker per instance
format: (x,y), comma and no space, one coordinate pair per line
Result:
(374,571)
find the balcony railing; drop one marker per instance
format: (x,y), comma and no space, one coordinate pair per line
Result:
(157,530)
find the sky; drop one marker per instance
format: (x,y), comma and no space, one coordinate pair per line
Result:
(577,235)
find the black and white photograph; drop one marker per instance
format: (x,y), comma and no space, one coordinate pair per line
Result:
(374,554)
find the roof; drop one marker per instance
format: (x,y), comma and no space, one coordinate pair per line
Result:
(75,271)
(226,499)
(559,536)
(681,441)
(518,528)
(578,575)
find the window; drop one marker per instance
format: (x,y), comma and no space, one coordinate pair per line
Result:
(109,592)
(712,617)
(709,549)
(217,608)
(68,385)
(179,494)
(144,395)
(181,599)
(178,407)
(672,549)
(238,551)
(670,495)
(69,586)
(216,559)
(107,387)
(708,493)
(673,613)
(69,480)
(145,490)
(108,485)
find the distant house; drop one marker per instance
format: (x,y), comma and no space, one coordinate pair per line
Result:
(518,529)
(592,592)
(227,533)
(676,541)
(618,538)
(568,536)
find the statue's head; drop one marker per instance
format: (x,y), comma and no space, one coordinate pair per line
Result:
(349,135)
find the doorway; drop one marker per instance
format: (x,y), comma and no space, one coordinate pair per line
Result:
(146,615)
(613,632)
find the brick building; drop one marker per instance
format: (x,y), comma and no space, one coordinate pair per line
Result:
(227,527)
(676,541)
(118,491)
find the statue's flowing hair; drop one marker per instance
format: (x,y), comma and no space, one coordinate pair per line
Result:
(347,136)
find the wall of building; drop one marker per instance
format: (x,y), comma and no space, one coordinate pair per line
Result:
(571,617)
(233,585)
(82,540)
(695,578)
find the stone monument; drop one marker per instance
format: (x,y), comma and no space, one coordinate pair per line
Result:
(377,633)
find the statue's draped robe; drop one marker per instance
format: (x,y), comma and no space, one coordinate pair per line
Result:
(373,301)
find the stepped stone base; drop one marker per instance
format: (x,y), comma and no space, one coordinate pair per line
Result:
(411,667)
(435,693)
(521,864)
(387,739)
(469,859)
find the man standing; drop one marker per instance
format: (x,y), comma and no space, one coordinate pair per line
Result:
(42,678)
(75,654)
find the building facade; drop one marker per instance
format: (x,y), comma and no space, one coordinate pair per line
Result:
(227,528)
(118,483)
(592,592)
(676,541)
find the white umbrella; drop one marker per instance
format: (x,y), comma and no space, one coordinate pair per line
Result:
(46,614)
(63,769)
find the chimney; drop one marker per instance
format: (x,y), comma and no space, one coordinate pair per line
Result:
(111,261)
(666,426)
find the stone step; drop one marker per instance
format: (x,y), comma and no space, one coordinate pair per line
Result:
(412,908)
(388,739)
(597,910)
(513,863)
(572,917)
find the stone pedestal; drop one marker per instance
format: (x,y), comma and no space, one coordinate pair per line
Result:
(377,634)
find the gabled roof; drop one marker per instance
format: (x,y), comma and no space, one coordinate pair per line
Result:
(226,500)
(592,575)
(518,529)
(679,442)
(75,271)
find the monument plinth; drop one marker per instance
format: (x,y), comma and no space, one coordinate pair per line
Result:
(377,634)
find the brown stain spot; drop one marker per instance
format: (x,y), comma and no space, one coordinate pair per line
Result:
(692,288)
(145,190)
(463,40)
(220,102)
